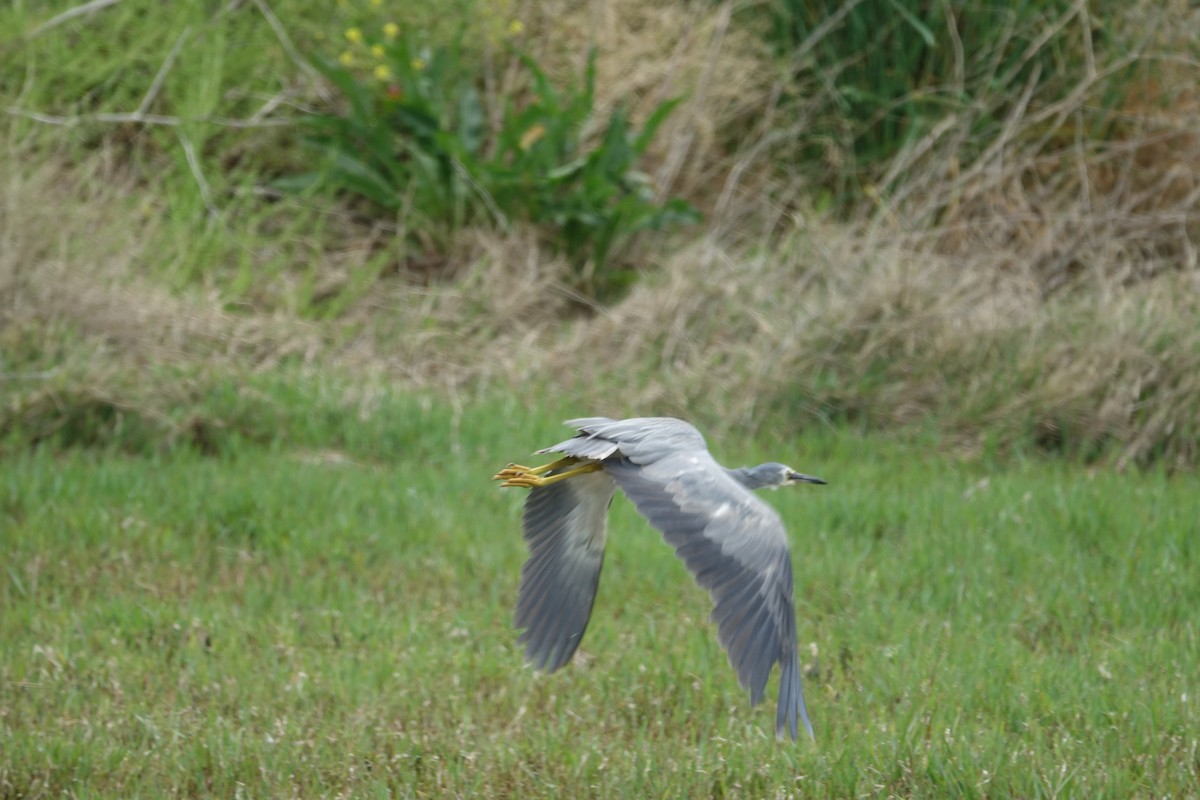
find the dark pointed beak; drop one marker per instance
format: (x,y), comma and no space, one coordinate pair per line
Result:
(799,477)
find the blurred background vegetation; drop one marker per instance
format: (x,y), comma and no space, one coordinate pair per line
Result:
(967,218)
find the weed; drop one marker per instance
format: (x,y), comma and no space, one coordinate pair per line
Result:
(414,138)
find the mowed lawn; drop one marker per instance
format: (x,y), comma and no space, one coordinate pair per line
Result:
(284,621)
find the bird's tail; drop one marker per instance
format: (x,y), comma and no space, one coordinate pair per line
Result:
(791,698)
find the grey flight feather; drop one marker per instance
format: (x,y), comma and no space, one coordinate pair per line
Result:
(733,543)
(564,530)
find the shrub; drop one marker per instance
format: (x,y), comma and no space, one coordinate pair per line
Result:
(414,138)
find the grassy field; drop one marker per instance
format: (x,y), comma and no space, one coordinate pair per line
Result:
(285,621)
(248,541)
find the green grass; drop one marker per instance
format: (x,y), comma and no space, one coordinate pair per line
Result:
(321,605)
(296,621)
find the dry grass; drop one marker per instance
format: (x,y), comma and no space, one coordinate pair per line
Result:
(76,259)
(90,337)
(837,323)
(1045,292)
(835,328)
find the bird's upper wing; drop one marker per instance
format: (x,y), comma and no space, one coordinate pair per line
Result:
(733,543)
(638,439)
(564,530)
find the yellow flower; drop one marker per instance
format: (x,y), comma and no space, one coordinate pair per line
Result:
(382,72)
(377,50)
(354,35)
(418,64)
(346,59)
(516,27)
(377,3)
(391,31)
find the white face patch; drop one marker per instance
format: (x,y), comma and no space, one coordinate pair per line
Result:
(784,472)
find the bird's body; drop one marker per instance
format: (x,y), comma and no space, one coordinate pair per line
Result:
(732,542)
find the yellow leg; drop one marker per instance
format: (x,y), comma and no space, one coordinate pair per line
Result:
(515,470)
(530,480)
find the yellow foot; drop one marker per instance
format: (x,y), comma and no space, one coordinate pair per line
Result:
(530,478)
(517,470)
(511,471)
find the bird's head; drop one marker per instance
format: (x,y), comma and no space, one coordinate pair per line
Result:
(772,475)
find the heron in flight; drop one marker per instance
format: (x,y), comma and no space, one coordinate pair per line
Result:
(732,542)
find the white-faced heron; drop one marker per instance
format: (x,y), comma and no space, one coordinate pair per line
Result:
(733,543)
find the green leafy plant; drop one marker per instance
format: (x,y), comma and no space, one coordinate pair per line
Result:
(414,138)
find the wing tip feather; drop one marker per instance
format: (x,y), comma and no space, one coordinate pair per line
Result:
(792,708)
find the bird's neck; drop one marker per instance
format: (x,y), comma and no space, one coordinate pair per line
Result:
(745,477)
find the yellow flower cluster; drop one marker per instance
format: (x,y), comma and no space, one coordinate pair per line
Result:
(373,56)
(353,57)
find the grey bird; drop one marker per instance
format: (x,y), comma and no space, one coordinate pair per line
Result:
(732,542)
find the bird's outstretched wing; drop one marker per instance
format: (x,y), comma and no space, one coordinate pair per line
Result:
(733,543)
(564,530)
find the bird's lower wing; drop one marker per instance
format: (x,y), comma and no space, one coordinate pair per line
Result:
(564,530)
(735,547)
